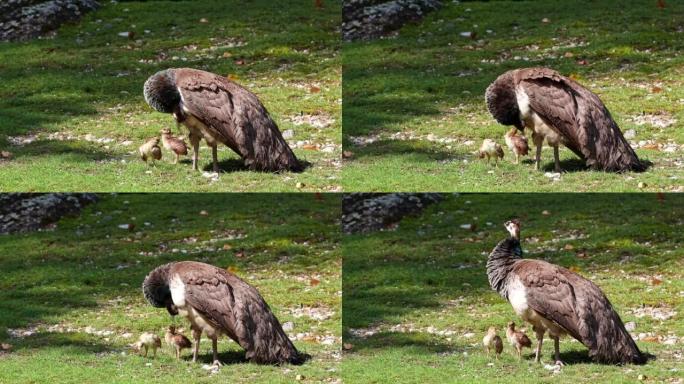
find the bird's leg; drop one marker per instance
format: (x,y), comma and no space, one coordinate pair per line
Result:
(556,159)
(556,348)
(214,157)
(538,158)
(540,340)
(195,141)
(517,158)
(519,348)
(196,334)
(214,346)
(145,355)
(175,161)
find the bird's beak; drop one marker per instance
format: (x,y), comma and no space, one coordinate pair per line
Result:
(173,311)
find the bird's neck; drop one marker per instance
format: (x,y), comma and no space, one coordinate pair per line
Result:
(500,263)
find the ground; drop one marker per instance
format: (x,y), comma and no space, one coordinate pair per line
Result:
(72,113)
(414,110)
(417,301)
(71,295)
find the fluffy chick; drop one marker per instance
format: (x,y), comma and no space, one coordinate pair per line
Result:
(492,341)
(517,144)
(176,340)
(173,144)
(489,149)
(148,340)
(150,150)
(517,339)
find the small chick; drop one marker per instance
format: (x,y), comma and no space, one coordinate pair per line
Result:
(173,144)
(516,143)
(489,149)
(517,339)
(176,340)
(492,340)
(148,340)
(150,150)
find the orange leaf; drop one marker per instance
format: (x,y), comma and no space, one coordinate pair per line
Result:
(232,269)
(312,147)
(314,89)
(656,89)
(651,339)
(574,268)
(656,281)
(314,282)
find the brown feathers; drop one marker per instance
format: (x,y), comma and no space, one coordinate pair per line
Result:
(219,110)
(173,144)
(492,341)
(518,339)
(176,340)
(561,111)
(150,150)
(516,143)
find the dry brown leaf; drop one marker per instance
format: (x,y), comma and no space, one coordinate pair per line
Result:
(656,89)
(314,89)
(568,247)
(651,146)
(347,154)
(347,346)
(311,147)
(314,282)
(227,247)
(650,339)
(656,281)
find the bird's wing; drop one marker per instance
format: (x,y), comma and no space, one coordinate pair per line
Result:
(556,101)
(551,293)
(210,98)
(210,293)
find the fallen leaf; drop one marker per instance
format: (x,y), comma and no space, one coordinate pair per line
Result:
(204,213)
(311,147)
(650,339)
(314,282)
(227,54)
(574,268)
(232,77)
(347,346)
(227,247)
(650,146)
(656,281)
(203,20)
(232,269)
(656,89)
(568,54)
(314,89)
(568,247)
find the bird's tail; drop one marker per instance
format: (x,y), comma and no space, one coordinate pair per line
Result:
(613,344)
(259,332)
(271,153)
(616,155)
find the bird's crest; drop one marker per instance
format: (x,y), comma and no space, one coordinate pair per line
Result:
(513,227)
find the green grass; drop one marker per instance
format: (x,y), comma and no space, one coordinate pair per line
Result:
(422,288)
(88,81)
(88,272)
(419,95)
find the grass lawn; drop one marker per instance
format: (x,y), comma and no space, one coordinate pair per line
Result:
(414,109)
(77,287)
(417,301)
(75,104)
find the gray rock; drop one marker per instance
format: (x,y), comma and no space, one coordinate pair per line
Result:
(370,19)
(25,212)
(630,134)
(368,212)
(28,19)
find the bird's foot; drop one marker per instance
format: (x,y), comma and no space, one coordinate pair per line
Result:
(560,363)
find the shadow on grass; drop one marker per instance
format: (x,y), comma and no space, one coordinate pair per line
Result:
(417,342)
(423,151)
(578,165)
(75,150)
(80,342)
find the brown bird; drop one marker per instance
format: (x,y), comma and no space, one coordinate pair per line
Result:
(518,339)
(176,340)
(559,301)
(220,111)
(490,148)
(148,340)
(173,144)
(516,143)
(492,340)
(217,302)
(150,150)
(561,111)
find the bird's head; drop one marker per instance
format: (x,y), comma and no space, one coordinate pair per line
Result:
(502,102)
(165,131)
(513,227)
(161,92)
(511,325)
(491,330)
(156,289)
